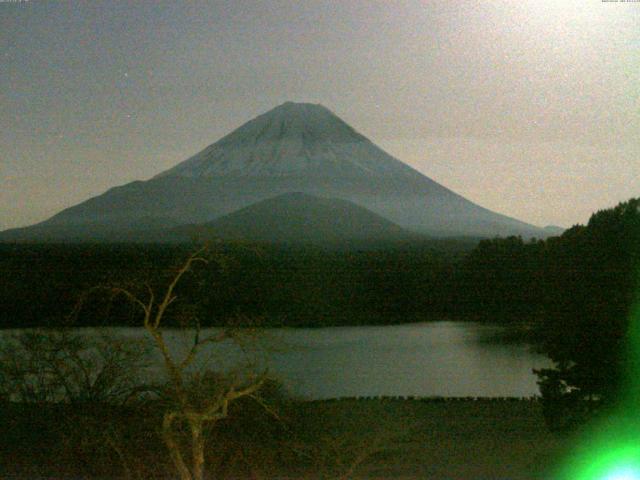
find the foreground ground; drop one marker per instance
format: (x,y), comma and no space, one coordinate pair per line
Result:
(375,439)
(450,439)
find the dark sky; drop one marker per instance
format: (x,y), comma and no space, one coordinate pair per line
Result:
(530,108)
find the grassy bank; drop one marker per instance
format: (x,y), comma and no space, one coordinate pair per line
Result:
(348,438)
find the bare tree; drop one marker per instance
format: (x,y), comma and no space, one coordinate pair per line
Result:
(80,379)
(195,401)
(59,365)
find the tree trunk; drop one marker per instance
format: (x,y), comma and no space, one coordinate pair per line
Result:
(174,447)
(197,446)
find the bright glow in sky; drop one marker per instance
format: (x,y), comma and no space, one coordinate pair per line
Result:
(529,108)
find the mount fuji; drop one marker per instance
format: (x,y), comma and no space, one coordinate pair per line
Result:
(295,147)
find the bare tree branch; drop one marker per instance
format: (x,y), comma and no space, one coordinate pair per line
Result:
(169,297)
(197,344)
(188,406)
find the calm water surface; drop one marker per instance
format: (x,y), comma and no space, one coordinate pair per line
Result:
(430,359)
(427,359)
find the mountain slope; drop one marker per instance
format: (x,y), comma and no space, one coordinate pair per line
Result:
(292,148)
(299,217)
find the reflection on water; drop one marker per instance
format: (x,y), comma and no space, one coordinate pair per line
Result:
(427,359)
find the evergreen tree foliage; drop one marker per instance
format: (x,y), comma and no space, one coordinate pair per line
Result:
(591,273)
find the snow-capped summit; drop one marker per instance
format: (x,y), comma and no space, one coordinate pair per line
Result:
(291,139)
(295,147)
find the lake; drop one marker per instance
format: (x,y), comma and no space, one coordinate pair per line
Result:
(425,359)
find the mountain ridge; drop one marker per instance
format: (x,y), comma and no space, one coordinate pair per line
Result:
(298,217)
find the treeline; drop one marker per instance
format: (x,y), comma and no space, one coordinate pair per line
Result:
(43,284)
(593,274)
(586,275)
(47,285)
(557,284)
(579,290)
